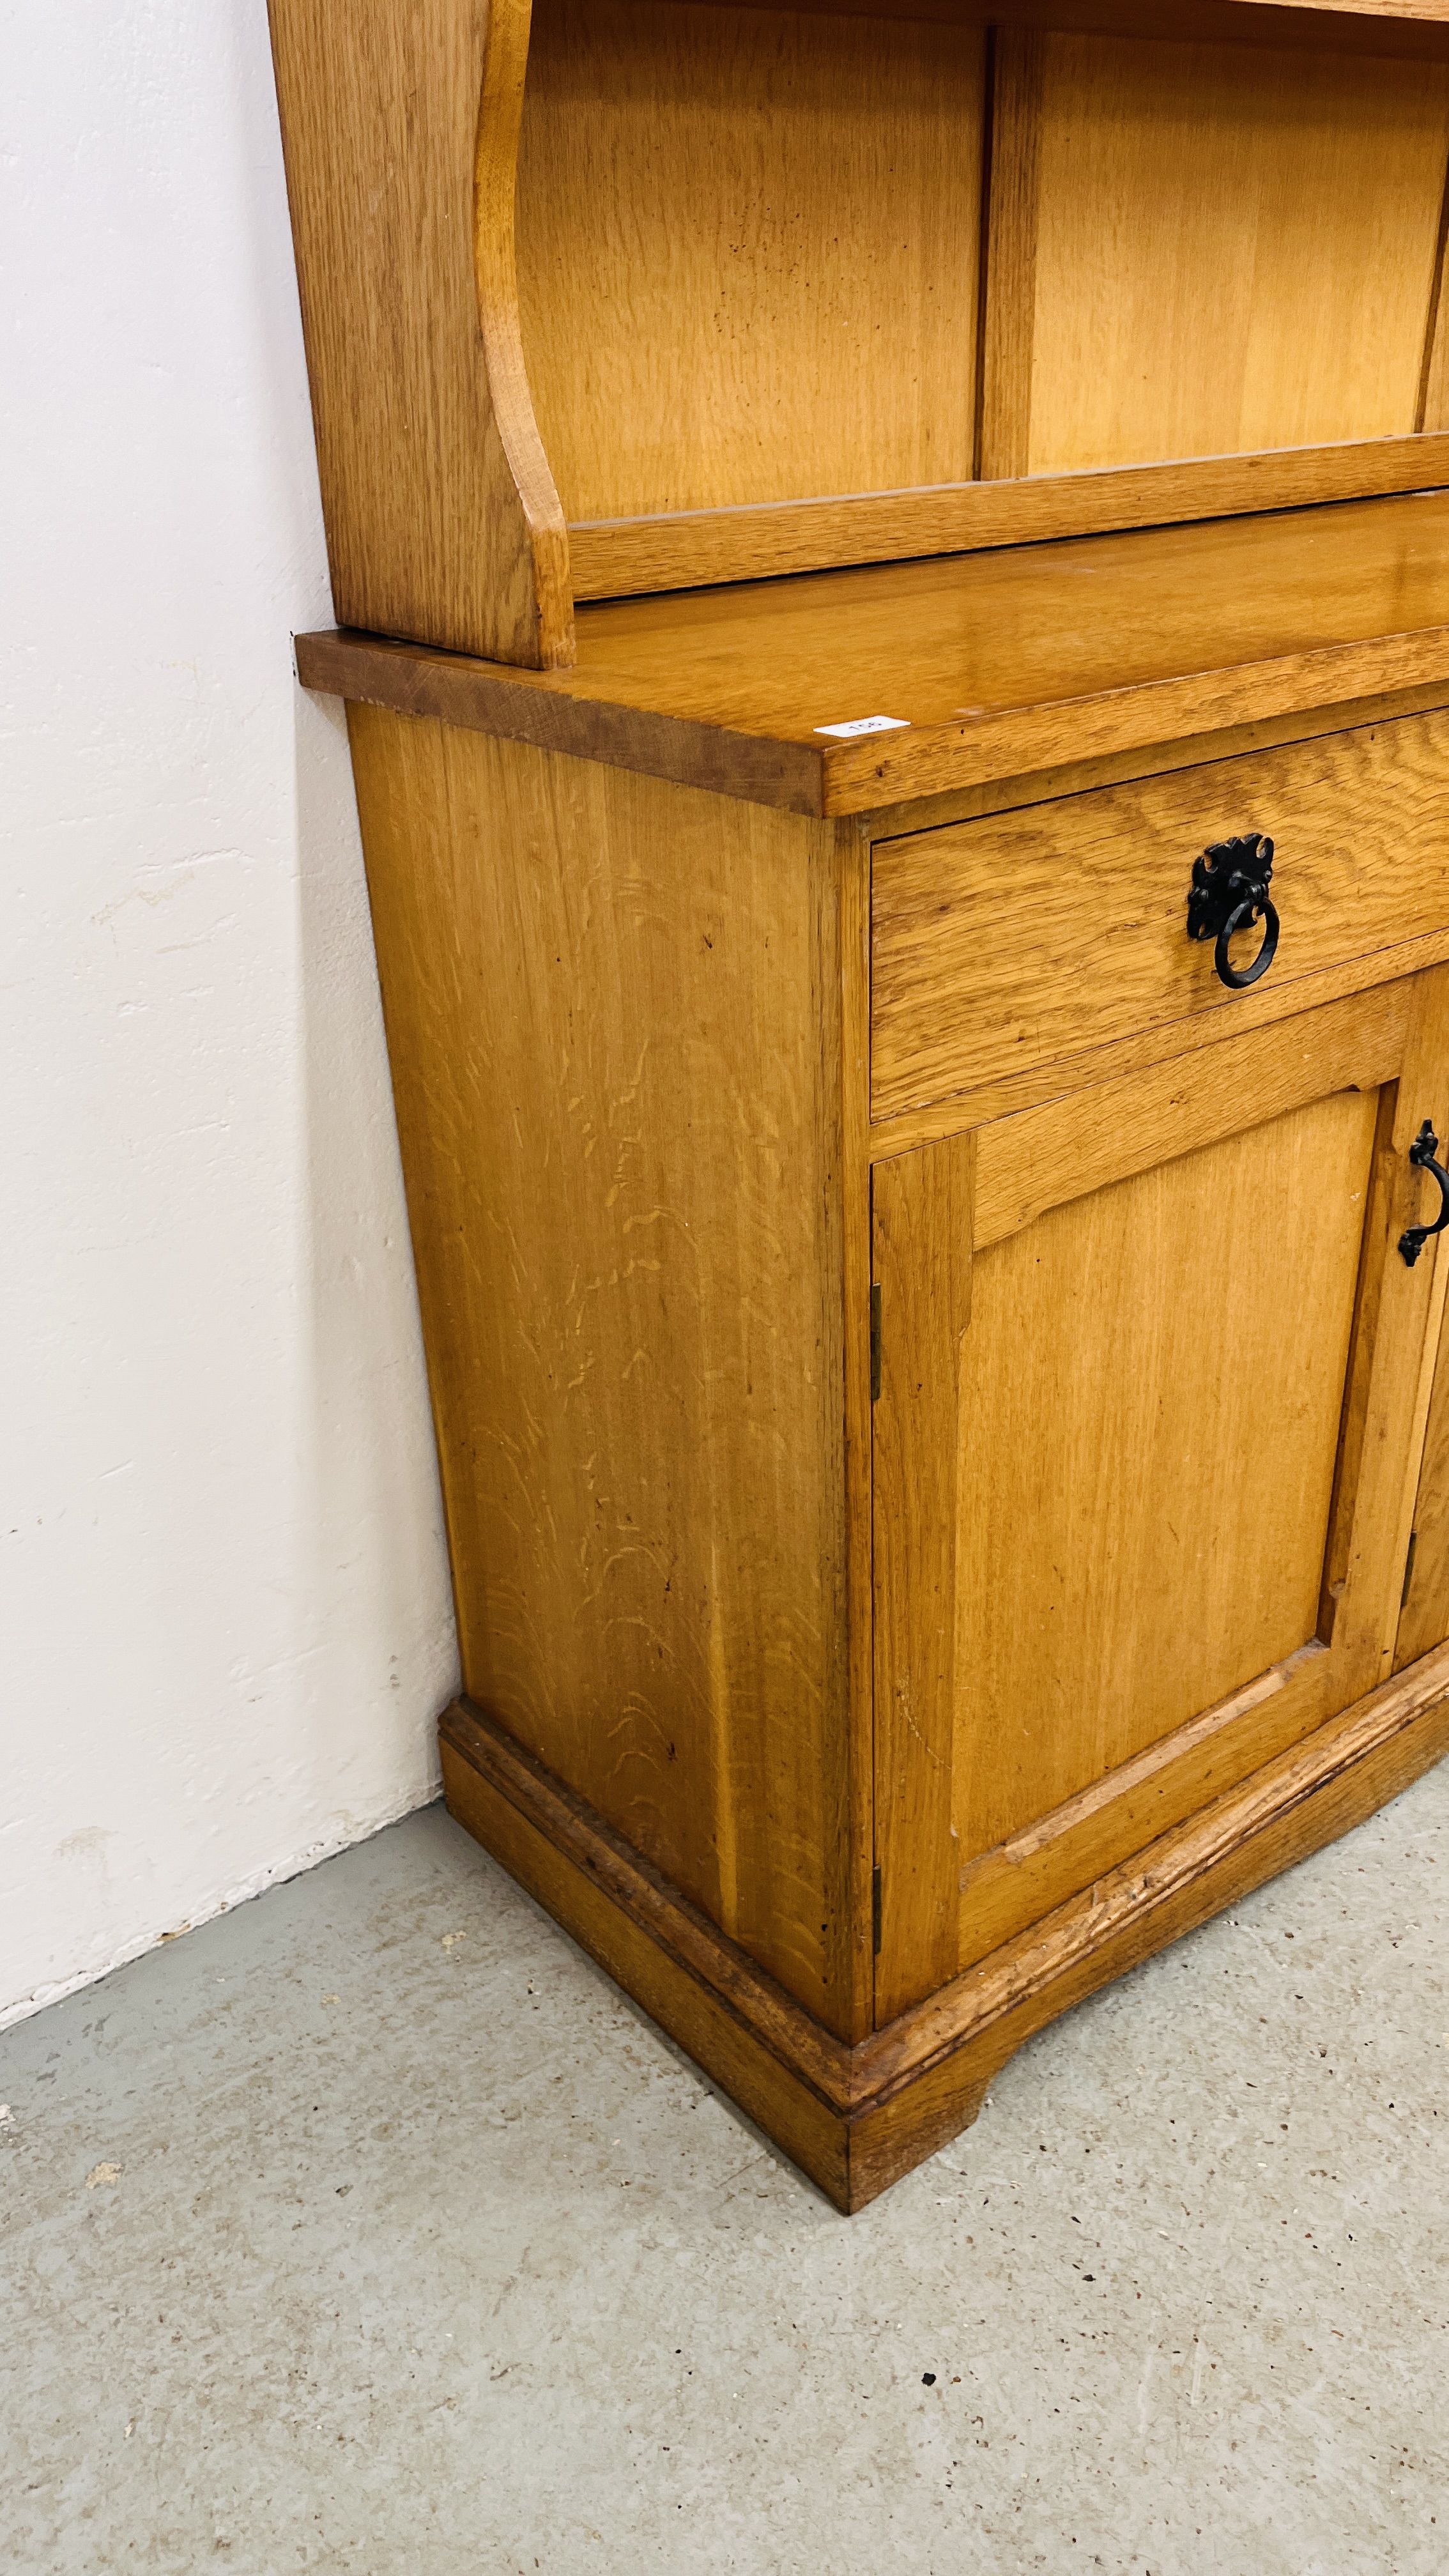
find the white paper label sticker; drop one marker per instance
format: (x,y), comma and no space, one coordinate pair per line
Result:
(868,724)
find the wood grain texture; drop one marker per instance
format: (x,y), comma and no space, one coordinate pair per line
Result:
(1425,12)
(1401,1563)
(1353,1433)
(1156,1051)
(858,2118)
(997,663)
(730,224)
(1293,1805)
(921,1210)
(613,1015)
(400,127)
(1433,406)
(1047,1157)
(1093,948)
(1170,316)
(727,213)
(483,697)
(1149,760)
(1050,1860)
(1126,1557)
(1434,399)
(1424,1613)
(1009,276)
(1147,1603)
(1397,1318)
(1121,147)
(549,641)
(856,1810)
(1395,30)
(684,550)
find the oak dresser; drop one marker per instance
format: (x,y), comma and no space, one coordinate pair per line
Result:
(894,602)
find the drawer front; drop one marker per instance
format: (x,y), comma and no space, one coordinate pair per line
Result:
(999,946)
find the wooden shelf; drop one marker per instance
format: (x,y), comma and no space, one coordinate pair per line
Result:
(995,663)
(1357,26)
(652,296)
(619,558)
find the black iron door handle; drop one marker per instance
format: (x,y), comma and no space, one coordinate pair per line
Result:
(1422,1151)
(1229,891)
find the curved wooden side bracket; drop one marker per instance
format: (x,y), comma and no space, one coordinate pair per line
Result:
(400,130)
(495,163)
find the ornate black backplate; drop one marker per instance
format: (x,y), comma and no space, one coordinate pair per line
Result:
(1229,875)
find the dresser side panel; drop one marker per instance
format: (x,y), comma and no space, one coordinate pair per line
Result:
(613,1010)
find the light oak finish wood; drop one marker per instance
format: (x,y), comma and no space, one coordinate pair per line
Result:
(399,126)
(612,1012)
(1288,1808)
(1433,405)
(1008,317)
(687,550)
(727,218)
(944,1457)
(1075,1844)
(1149,760)
(1170,1050)
(688,268)
(1095,948)
(1434,398)
(1183,197)
(857,2118)
(1424,1606)
(469,843)
(1395,30)
(1370,146)
(857,1806)
(1044,1158)
(1248,1590)
(1096,1366)
(1401,1564)
(921,1224)
(1171,631)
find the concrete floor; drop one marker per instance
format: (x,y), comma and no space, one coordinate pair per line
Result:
(369,2229)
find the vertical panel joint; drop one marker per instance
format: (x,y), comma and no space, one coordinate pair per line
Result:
(875,1343)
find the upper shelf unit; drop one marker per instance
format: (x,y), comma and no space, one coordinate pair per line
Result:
(650,294)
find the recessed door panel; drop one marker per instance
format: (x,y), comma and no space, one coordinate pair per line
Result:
(1150,1394)
(1144,1463)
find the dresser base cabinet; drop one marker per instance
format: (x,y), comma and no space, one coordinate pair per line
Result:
(905,1574)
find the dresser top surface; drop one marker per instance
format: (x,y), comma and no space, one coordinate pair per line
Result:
(985,663)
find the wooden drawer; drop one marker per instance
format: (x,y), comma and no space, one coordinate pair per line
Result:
(1000,946)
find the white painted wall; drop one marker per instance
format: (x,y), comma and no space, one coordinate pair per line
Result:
(226,1621)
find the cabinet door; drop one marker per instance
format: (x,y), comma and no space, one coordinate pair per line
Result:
(1424,1616)
(1153,1378)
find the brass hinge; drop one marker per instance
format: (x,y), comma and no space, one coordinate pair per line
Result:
(1409,1568)
(875,1912)
(874,1344)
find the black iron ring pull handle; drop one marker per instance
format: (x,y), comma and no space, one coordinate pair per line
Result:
(1229,892)
(1239,919)
(1422,1151)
